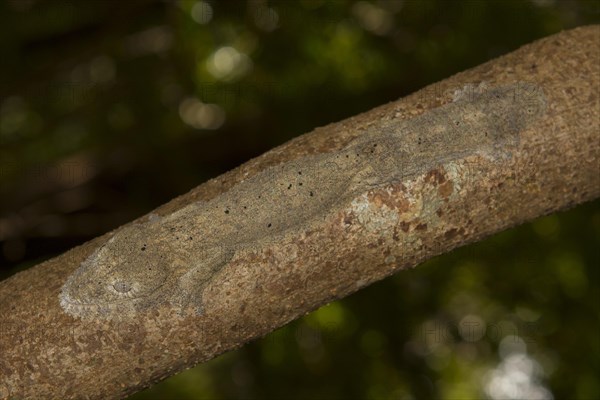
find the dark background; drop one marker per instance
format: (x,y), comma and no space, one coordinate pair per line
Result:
(110,108)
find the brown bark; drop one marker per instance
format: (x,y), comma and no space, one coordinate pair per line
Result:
(45,353)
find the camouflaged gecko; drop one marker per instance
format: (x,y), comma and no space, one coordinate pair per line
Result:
(170,260)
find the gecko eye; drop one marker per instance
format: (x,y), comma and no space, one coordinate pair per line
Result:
(122,288)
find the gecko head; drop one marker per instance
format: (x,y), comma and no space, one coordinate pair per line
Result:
(120,276)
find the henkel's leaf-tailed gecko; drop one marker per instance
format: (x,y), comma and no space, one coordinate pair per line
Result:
(171,259)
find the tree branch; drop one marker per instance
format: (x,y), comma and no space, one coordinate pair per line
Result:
(447,200)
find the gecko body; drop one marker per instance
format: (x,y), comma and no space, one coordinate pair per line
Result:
(171,259)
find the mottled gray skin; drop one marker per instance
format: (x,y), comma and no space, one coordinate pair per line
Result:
(170,260)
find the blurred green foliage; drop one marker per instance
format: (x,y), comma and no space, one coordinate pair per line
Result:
(109,108)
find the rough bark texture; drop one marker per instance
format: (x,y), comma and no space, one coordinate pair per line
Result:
(46,353)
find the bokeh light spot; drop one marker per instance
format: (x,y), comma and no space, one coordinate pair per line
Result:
(202,12)
(228,64)
(200,115)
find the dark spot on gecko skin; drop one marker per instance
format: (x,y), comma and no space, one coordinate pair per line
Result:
(347,220)
(439,212)
(372,245)
(435,176)
(269,225)
(449,234)
(404,226)
(446,189)
(421,227)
